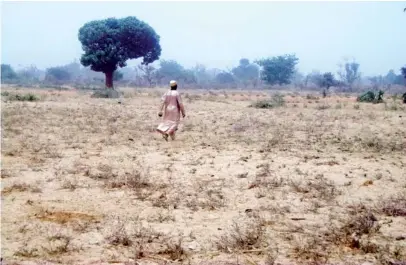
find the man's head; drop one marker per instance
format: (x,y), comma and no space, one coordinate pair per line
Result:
(173,85)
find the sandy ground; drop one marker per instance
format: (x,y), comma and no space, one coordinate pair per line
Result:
(315,181)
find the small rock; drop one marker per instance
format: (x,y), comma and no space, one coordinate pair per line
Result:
(245,159)
(193,245)
(242,175)
(367,183)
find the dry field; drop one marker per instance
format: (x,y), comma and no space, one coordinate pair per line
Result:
(312,181)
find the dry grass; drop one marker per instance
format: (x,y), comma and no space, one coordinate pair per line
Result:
(21,187)
(243,237)
(320,188)
(321,180)
(394,206)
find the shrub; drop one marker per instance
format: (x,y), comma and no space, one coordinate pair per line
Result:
(276,101)
(106,93)
(20,97)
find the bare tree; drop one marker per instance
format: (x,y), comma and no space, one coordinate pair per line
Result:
(148,73)
(349,73)
(377,82)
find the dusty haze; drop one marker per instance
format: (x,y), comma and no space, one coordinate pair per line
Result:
(218,34)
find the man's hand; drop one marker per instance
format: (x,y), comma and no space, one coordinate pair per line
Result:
(183,115)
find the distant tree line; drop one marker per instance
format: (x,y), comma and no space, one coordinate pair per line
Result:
(260,74)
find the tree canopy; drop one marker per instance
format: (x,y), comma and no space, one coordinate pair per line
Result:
(403,71)
(7,73)
(349,73)
(225,78)
(327,80)
(109,43)
(246,72)
(279,69)
(171,69)
(57,74)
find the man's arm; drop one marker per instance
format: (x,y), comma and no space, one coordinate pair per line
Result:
(181,106)
(161,106)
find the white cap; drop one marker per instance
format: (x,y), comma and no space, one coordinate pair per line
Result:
(172,83)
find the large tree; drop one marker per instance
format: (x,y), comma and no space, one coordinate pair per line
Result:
(58,74)
(225,78)
(349,73)
(109,43)
(392,78)
(171,69)
(278,70)
(403,71)
(74,69)
(168,70)
(203,78)
(7,73)
(246,72)
(327,80)
(31,74)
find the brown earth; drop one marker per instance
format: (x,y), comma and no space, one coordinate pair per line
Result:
(313,181)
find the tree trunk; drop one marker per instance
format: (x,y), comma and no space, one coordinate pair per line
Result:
(324,92)
(109,79)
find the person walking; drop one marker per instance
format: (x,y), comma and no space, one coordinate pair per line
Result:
(171,108)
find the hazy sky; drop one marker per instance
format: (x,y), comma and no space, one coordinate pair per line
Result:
(218,34)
